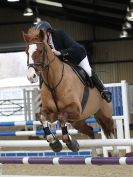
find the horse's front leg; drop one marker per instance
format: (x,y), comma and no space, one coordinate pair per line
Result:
(69,114)
(54,143)
(72,144)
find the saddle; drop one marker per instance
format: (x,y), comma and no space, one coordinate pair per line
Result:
(81,73)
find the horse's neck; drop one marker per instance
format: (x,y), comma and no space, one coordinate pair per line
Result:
(55,65)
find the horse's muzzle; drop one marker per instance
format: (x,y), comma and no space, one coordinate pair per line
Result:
(31,75)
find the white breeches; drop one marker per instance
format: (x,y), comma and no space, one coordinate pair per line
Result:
(86,66)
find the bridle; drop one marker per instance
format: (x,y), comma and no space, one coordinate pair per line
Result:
(44,66)
(40,64)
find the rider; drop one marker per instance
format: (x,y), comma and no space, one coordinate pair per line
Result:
(63,45)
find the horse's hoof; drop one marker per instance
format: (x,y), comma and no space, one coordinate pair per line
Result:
(73,145)
(56,146)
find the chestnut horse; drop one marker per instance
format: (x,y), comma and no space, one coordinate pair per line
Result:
(62,93)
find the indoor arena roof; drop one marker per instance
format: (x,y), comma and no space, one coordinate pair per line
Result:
(106,13)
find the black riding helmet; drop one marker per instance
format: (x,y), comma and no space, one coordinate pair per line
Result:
(43,25)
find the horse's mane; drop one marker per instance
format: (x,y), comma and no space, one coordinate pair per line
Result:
(33,33)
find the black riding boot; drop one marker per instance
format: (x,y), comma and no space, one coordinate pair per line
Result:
(99,85)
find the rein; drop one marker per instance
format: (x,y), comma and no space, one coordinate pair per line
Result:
(53,89)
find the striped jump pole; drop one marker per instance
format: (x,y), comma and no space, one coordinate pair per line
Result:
(41,132)
(31,123)
(69,161)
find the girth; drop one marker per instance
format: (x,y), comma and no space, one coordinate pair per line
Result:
(85,97)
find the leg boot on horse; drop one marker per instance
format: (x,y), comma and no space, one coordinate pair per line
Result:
(71,143)
(54,143)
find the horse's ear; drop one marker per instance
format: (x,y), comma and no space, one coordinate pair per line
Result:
(25,37)
(41,35)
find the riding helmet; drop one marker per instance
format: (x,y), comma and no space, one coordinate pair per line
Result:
(43,25)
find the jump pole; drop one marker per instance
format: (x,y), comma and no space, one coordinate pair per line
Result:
(68,161)
(41,132)
(31,123)
(82,143)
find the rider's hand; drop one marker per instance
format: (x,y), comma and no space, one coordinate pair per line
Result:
(57,53)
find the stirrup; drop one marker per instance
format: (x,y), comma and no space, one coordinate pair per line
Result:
(106,95)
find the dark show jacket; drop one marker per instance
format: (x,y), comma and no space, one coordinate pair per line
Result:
(70,49)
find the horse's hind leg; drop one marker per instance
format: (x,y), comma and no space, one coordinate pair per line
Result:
(104,118)
(82,127)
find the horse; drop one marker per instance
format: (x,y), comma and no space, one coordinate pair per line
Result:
(62,94)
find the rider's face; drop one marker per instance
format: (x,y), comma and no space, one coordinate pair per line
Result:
(46,36)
